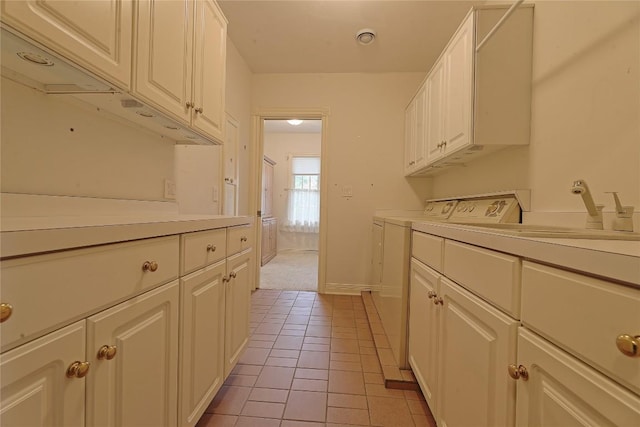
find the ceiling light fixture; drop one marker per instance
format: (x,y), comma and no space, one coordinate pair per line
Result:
(366,36)
(294,122)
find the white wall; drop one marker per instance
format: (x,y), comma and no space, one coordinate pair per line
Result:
(238,105)
(585,112)
(53,145)
(278,147)
(198,177)
(364,150)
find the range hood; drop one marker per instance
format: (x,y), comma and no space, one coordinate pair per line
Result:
(28,64)
(31,65)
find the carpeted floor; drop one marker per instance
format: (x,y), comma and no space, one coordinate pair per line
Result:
(291,270)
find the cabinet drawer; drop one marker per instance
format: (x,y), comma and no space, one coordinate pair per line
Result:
(492,275)
(584,316)
(428,249)
(201,249)
(239,238)
(48,291)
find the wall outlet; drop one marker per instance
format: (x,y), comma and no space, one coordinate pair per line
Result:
(214,194)
(169,189)
(347,191)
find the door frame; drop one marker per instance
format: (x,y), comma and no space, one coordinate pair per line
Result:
(257,124)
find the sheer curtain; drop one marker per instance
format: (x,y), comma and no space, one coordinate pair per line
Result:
(303,214)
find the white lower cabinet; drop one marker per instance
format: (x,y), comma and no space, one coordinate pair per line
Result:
(424,321)
(237,306)
(133,351)
(126,343)
(476,342)
(562,391)
(202,297)
(35,389)
(559,366)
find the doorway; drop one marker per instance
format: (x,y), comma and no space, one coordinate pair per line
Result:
(291,193)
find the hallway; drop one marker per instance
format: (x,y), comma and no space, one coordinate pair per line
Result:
(311,361)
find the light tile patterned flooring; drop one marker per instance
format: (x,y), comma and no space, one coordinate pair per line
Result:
(311,362)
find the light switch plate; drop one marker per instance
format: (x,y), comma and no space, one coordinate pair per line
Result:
(169,189)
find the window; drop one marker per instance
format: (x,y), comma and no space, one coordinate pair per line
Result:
(303,214)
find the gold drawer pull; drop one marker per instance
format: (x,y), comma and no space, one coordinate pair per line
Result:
(431,294)
(150,266)
(211,248)
(78,369)
(243,239)
(6,310)
(107,352)
(232,275)
(438,300)
(517,372)
(628,345)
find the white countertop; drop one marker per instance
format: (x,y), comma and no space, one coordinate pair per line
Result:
(613,259)
(29,235)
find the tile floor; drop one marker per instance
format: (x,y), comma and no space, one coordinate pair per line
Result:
(311,362)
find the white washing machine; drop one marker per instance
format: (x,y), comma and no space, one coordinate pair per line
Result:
(391,294)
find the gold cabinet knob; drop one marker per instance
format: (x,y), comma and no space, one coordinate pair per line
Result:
(232,275)
(78,369)
(211,248)
(107,352)
(517,372)
(150,266)
(199,110)
(6,310)
(438,300)
(431,294)
(628,345)
(190,104)
(243,239)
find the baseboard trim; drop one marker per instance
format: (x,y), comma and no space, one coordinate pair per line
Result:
(345,288)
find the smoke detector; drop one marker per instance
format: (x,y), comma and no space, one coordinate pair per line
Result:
(366,36)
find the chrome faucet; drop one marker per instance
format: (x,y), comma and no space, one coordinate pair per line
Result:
(594,212)
(624,215)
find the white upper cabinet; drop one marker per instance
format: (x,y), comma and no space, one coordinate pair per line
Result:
(94,34)
(415,127)
(180,61)
(478,100)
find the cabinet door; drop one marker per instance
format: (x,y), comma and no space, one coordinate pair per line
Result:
(209,69)
(434,113)
(409,137)
(201,341)
(163,65)
(35,388)
(138,386)
(424,322)
(562,391)
(459,87)
(237,305)
(419,151)
(94,34)
(477,342)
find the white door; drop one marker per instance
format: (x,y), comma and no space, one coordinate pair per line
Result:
(424,322)
(163,64)
(230,166)
(35,388)
(237,305)
(209,69)
(459,87)
(477,342)
(201,341)
(563,392)
(94,34)
(138,385)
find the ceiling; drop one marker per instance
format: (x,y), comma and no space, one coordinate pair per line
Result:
(310,36)
(281,126)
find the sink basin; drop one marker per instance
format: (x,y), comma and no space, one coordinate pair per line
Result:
(544,231)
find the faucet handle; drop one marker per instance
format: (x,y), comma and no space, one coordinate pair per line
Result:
(624,215)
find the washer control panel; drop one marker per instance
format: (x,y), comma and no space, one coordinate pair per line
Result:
(488,210)
(440,210)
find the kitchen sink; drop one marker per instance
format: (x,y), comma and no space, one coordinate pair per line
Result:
(544,231)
